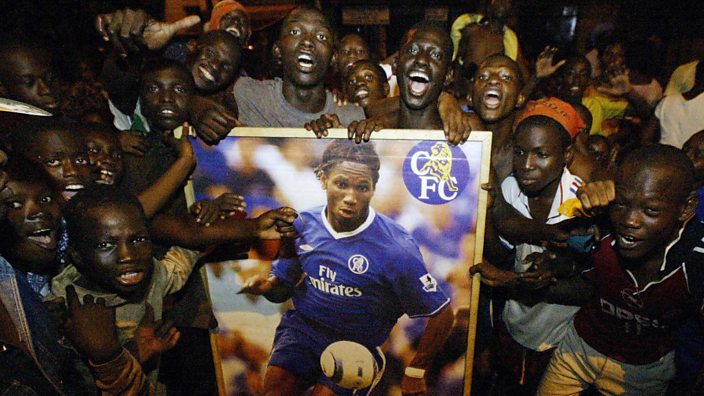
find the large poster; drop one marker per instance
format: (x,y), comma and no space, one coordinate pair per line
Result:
(428,187)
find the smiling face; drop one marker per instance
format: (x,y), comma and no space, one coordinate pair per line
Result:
(365,84)
(539,158)
(33,217)
(64,157)
(349,188)
(497,88)
(423,66)
(166,94)
(215,61)
(236,23)
(114,250)
(28,76)
(648,208)
(104,153)
(352,48)
(305,47)
(575,79)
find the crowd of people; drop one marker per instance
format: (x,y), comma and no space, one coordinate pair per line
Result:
(592,279)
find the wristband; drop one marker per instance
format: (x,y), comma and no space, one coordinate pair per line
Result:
(414,372)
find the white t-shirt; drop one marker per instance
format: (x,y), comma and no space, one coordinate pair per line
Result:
(391,78)
(541,326)
(679,118)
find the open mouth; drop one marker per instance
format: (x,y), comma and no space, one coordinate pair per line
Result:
(106,177)
(44,238)
(71,190)
(206,74)
(131,277)
(167,112)
(362,93)
(418,82)
(235,31)
(626,241)
(492,98)
(305,62)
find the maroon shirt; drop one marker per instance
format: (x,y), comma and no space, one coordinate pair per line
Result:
(633,323)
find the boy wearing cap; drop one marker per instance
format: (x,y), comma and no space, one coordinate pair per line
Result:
(232,17)
(538,186)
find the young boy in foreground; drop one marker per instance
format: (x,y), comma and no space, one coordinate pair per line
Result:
(111,254)
(646,277)
(539,185)
(30,232)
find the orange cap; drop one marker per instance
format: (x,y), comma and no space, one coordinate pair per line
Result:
(555,109)
(221,9)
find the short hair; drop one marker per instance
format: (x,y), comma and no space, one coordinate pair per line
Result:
(86,127)
(372,65)
(546,122)
(154,65)
(342,150)
(23,139)
(98,196)
(214,36)
(353,34)
(8,47)
(663,156)
(22,169)
(312,8)
(506,58)
(437,27)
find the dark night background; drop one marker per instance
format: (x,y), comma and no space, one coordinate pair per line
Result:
(674,29)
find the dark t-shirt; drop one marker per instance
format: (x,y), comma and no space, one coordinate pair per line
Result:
(633,323)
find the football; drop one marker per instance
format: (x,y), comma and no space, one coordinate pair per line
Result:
(349,364)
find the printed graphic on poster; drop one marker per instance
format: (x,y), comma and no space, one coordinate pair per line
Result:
(387,231)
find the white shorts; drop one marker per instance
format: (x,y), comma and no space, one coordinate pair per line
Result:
(575,366)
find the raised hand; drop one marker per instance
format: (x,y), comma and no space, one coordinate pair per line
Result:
(596,196)
(130,29)
(157,34)
(151,338)
(544,66)
(618,82)
(182,145)
(133,142)
(91,327)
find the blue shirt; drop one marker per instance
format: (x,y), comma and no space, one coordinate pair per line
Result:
(359,282)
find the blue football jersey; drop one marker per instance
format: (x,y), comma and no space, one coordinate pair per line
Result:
(358,283)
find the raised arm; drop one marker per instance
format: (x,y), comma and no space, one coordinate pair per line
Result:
(158,194)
